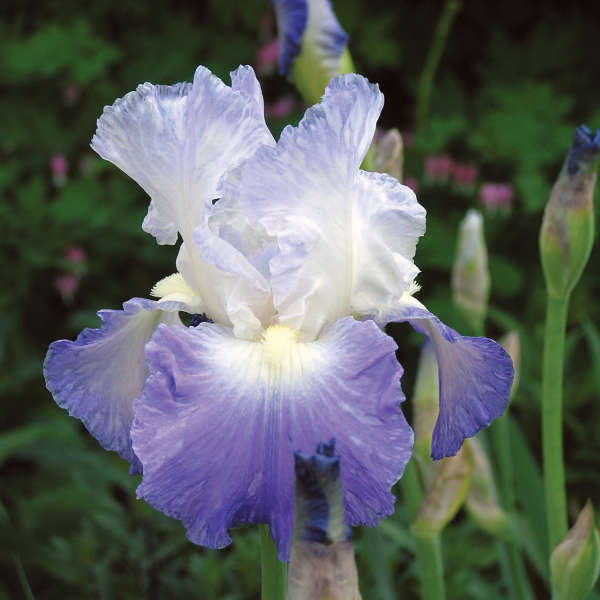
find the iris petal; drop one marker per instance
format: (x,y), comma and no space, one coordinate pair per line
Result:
(475,378)
(219,420)
(177,141)
(97,376)
(345,238)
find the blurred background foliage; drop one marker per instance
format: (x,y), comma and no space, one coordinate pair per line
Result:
(515,79)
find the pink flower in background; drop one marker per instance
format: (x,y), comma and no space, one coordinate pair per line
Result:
(464,175)
(438,168)
(280,108)
(59,167)
(497,196)
(412,183)
(75,254)
(67,285)
(266,60)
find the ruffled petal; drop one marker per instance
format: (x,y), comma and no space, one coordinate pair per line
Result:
(219,420)
(345,238)
(475,377)
(97,376)
(388,223)
(177,141)
(292,17)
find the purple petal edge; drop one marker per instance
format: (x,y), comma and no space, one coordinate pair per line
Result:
(475,379)
(97,376)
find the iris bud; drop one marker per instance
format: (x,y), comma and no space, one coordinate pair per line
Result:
(482,499)
(445,492)
(470,275)
(322,565)
(567,233)
(575,562)
(389,154)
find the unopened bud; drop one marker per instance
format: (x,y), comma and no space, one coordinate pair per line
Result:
(482,499)
(575,562)
(389,154)
(446,491)
(470,275)
(567,233)
(322,565)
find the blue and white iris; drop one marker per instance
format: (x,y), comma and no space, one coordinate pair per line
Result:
(298,264)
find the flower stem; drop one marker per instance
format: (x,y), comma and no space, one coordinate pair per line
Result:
(513,566)
(431,564)
(411,488)
(273,572)
(552,384)
(432,61)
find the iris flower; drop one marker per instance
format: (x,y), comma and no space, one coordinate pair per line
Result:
(309,25)
(312,45)
(297,266)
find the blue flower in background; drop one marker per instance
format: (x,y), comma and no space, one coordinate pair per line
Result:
(312,44)
(309,23)
(296,266)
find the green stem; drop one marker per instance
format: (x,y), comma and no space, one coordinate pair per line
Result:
(432,61)
(552,385)
(377,557)
(513,566)
(273,572)
(411,489)
(431,564)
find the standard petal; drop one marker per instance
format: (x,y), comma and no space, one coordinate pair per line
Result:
(345,238)
(177,141)
(388,223)
(475,377)
(219,420)
(97,376)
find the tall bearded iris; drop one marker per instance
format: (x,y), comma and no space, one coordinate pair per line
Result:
(297,266)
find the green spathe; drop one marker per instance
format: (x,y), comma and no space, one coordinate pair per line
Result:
(575,562)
